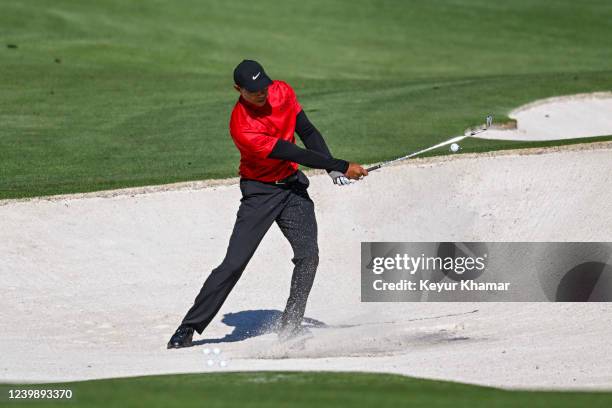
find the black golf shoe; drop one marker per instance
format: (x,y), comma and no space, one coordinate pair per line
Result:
(181,338)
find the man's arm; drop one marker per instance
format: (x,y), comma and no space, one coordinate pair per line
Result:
(316,154)
(284,150)
(312,138)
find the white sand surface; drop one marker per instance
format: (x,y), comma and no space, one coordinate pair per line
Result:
(94,285)
(564,117)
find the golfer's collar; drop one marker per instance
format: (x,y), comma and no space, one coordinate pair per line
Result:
(248,105)
(254,109)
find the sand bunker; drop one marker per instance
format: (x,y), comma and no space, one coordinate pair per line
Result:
(93,286)
(566,117)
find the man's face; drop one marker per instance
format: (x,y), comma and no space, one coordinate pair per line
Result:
(257,98)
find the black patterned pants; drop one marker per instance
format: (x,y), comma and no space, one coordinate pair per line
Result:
(261,205)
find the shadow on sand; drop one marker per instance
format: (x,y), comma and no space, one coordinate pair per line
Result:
(253,323)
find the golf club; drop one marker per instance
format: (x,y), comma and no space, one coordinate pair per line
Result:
(488,123)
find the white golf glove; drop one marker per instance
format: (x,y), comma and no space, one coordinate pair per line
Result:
(339,179)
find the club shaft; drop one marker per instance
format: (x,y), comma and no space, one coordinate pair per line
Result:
(489,121)
(447,142)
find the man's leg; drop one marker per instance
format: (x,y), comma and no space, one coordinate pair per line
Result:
(298,223)
(256,214)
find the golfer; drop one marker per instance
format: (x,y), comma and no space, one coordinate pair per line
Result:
(262,126)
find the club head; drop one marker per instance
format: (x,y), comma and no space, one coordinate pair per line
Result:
(489,121)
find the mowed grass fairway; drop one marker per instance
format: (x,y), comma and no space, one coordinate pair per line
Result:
(283,389)
(119,93)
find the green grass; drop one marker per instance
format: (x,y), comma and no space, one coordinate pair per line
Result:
(284,389)
(121,93)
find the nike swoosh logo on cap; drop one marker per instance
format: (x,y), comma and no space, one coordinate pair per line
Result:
(256,76)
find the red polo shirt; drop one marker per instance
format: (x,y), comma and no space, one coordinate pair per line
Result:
(255,131)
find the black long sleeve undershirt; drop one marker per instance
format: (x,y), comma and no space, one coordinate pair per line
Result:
(316,155)
(312,138)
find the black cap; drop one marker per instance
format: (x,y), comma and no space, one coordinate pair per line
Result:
(251,76)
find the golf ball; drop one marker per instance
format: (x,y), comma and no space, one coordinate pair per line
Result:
(210,363)
(216,351)
(454,147)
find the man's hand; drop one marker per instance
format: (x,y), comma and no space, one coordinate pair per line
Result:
(339,178)
(355,171)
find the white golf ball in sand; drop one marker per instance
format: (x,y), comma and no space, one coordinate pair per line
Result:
(454,147)
(216,351)
(210,363)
